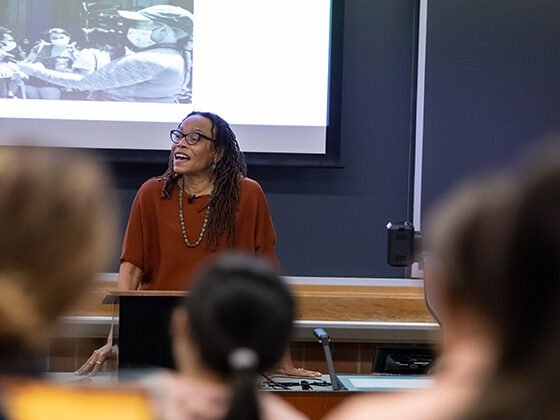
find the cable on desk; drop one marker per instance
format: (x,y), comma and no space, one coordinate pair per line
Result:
(273,384)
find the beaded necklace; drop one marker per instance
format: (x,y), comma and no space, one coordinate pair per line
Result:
(183,222)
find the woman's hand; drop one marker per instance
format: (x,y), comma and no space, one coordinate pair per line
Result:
(96,360)
(130,277)
(286,367)
(179,398)
(293,371)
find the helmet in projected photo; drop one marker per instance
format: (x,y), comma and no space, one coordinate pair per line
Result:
(173,16)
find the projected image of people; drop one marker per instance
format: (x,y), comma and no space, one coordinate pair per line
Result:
(10,54)
(124,51)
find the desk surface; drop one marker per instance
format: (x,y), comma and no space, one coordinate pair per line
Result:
(378,383)
(354,383)
(319,401)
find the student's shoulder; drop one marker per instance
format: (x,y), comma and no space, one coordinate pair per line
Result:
(418,405)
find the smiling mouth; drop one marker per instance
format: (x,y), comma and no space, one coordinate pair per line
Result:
(181,156)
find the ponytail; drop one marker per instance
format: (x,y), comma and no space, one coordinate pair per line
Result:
(244,405)
(233,307)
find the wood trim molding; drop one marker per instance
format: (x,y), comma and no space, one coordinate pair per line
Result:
(361,303)
(314,302)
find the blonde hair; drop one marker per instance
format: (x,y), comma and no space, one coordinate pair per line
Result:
(56,220)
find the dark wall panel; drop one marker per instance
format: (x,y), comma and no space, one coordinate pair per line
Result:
(492,85)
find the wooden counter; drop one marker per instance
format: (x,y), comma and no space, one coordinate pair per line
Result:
(315,302)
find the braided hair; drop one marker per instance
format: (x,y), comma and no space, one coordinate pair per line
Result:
(224,199)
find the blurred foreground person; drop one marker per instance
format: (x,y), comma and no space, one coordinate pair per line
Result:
(236,322)
(467,350)
(55,223)
(522,292)
(493,283)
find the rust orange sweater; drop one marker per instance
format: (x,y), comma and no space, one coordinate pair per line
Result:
(154,242)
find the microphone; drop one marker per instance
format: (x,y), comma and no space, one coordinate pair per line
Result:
(323,338)
(320,334)
(191,198)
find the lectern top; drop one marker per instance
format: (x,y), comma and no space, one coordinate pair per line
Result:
(113,296)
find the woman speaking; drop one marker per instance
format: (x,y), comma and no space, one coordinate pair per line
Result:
(202,205)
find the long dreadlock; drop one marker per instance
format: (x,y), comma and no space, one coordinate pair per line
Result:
(225,178)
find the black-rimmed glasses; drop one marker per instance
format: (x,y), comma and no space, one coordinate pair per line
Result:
(191,138)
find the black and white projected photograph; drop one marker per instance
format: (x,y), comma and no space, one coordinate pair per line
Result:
(123,73)
(125,51)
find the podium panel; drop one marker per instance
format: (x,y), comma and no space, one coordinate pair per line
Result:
(144,338)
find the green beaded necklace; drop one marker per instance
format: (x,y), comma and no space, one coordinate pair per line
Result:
(183,222)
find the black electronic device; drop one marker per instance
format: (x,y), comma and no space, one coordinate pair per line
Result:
(403,244)
(408,364)
(305,386)
(403,360)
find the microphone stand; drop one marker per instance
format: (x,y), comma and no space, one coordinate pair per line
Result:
(324,339)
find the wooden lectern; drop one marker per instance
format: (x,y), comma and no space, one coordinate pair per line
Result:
(144,339)
(144,315)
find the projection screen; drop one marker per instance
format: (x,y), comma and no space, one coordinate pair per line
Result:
(263,65)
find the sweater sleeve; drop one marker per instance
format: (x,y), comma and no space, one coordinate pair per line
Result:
(133,244)
(265,236)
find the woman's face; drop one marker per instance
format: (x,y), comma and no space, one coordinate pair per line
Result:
(194,159)
(60,40)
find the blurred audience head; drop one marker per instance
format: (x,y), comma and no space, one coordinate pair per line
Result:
(238,320)
(457,273)
(56,224)
(497,242)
